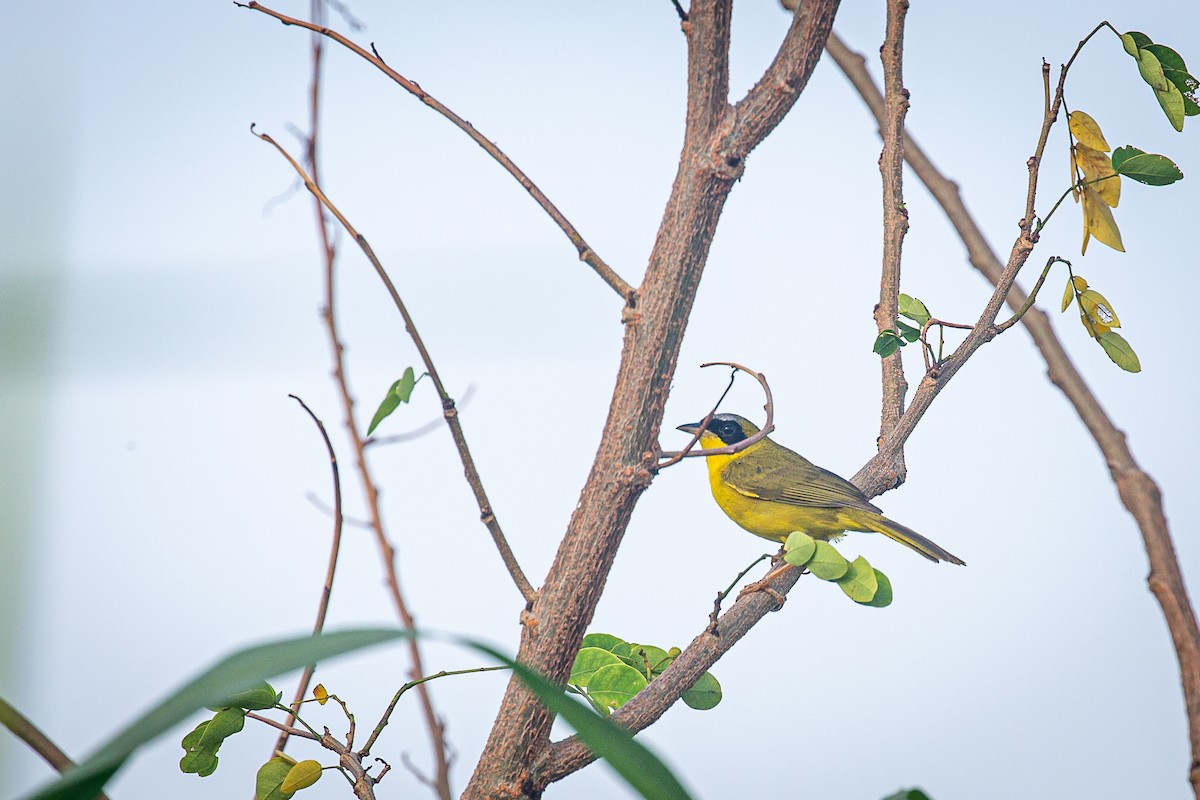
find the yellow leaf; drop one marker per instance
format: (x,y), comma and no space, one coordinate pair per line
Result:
(1098,308)
(1077,283)
(319,693)
(1085,129)
(1090,325)
(1098,171)
(1098,221)
(301,776)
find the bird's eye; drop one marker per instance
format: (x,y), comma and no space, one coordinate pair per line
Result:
(729,431)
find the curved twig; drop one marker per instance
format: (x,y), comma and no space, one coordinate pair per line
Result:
(327,588)
(674,457)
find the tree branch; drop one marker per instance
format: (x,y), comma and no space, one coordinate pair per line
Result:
(586,253)
(24,729)
(895,224)
(715,141)
(1138,491)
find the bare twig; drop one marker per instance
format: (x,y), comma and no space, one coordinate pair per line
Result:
(37,741)
(433,722)
(387,714)
(448,408)
(895,224)
(327,587)
(768,426)
(1137,489)
(586,253)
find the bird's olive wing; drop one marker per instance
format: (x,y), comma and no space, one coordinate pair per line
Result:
(794,480)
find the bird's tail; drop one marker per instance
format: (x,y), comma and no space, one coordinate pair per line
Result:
(910,538)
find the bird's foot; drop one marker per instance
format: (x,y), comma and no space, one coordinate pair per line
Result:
(763,586)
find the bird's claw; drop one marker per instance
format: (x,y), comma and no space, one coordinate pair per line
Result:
(763,586)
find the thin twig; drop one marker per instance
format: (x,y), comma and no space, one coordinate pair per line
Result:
(327,587)
(586,253)
(448,408)
(37,741)
(674,457)
(387,553)
(716,612)
(895,225)
(387,714)
(1139,493)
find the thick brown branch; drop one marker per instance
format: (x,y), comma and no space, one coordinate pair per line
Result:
(586,253)
(895,224)
(709,166)
(1137,490)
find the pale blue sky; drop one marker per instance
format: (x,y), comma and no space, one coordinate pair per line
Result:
(166,300)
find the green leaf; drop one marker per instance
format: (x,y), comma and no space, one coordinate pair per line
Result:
(887,342)
(1151,70)
(1134,41)
(908,794)
(255,699)
(1176,72)
(301,776)
(587,661)
(239,672)
(908,332)
(615,685)
(859,582)
(268,783)
(1171,100)
(403,388)
(704,694)
(1148,168)
(800,548)
(827,563)
(914,309)
(650,660)
(883,595)
(198,758)
(1119,351)
(400,392)
(1121,154)
(605,641)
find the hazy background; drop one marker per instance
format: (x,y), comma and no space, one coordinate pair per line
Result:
(160,285)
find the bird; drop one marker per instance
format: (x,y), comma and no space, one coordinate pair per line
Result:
(771,491)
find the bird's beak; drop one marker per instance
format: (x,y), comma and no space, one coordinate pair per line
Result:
(691,427)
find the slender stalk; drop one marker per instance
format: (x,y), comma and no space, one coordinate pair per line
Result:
(586,253)
(327,588)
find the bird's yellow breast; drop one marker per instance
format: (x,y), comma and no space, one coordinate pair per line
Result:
(769,519)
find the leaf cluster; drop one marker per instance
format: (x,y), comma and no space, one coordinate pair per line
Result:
(861,582)
(608,672)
